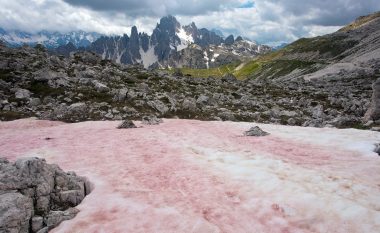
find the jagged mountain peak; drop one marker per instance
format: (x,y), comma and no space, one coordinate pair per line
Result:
(169,24)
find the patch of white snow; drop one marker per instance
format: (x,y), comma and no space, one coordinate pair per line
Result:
(148,58)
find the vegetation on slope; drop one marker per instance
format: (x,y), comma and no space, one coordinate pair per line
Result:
(205,73)
(360,22)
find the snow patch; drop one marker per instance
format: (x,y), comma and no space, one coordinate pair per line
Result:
(185,38)
(148,58)
(205,57)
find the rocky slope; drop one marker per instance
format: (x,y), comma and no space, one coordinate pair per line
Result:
(352,52)
(85,87)
(36,197)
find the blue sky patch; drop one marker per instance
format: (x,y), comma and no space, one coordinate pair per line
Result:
(247,4)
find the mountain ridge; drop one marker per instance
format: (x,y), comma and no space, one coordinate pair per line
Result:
(174,45)
(49,39)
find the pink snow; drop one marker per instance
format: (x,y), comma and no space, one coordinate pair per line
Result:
(194,176)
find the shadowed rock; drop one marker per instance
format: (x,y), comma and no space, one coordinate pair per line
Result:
(151,120)
(127,124)
(373,113)
(255,131)
(377,148)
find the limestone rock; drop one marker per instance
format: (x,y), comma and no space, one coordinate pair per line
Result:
(127,124)
(22,94)
(255,131)
(159,106)
(15,212)
(32,190)
(373,113)
(151,120)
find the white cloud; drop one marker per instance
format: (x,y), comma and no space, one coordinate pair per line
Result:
(269,21)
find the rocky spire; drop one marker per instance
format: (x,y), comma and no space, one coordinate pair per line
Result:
(134,43)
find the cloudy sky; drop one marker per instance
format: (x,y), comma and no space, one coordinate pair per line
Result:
(265,21)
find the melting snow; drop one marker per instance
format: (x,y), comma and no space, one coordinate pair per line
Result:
(182,176)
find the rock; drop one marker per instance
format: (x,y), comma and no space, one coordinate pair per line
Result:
(178,73)
(229,40)
(37,223)
(189,104)
(373,112)
(151,120)
(127,124)
(100,86)
(159,106)
(377,148)
(291,121)
(44,230)
(226,115)
(87,57)
(229,78)
(121,94)
(32,190)
(54,218)
(317,112)
(34,102)
(375,129)
(77,107)
(202,99)
(255,131)
(15,212)
(44,75)
(22,94)
(109,115)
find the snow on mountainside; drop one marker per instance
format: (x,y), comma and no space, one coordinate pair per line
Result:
(185,37)
(48,39)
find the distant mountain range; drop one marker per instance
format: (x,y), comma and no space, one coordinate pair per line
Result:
(170,45)
(48,39)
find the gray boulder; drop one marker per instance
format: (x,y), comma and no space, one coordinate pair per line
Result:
(189,104)
(100,87)
(377,148)
(151,120)
(31,191)
(15,212)
(127,124)
(373,113)
(229,78)
(22,94)
(255,131)
(159,106)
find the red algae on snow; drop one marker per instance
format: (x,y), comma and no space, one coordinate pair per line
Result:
(193,176)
